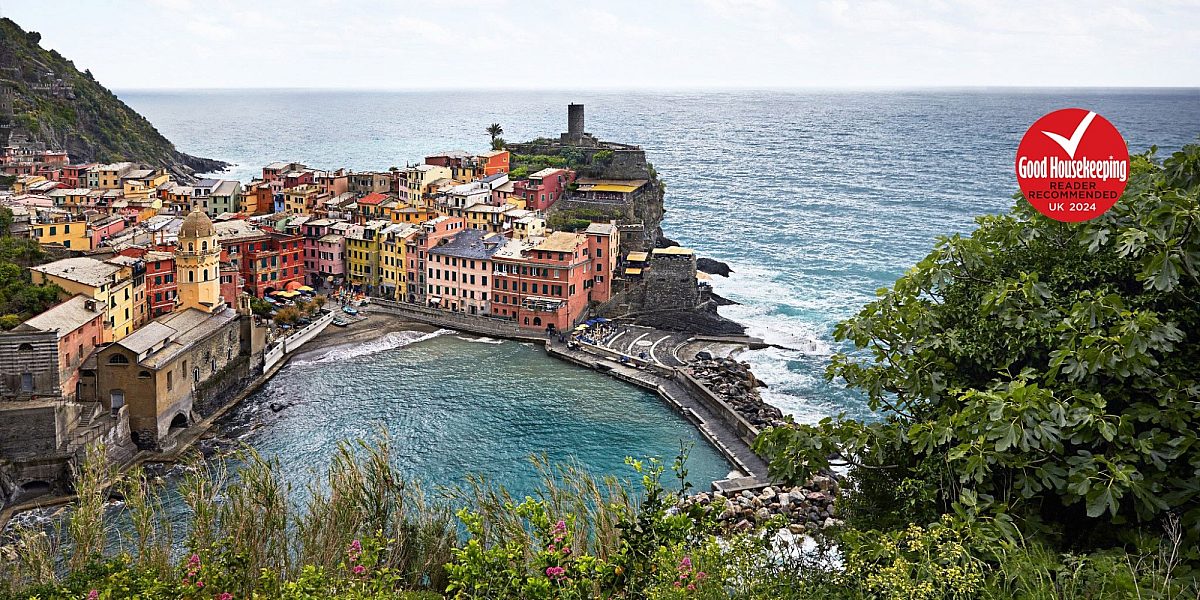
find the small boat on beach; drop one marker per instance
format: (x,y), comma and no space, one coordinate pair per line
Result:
(339,322)
(350,310)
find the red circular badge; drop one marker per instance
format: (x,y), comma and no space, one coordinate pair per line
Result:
(1072,165)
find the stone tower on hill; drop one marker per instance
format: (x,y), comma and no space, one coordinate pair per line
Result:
(198,264)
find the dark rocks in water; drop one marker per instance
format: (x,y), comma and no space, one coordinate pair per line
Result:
(278,406)
(737,386)
(722,300)
(713,266)
(664,241)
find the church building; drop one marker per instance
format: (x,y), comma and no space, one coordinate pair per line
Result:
(183,366)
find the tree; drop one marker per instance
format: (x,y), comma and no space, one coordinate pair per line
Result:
(6,221)
(498,143)
(1035,370)
(495,130)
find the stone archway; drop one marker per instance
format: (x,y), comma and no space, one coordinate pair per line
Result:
(180,421)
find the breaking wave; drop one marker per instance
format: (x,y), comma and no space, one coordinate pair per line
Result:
(480,340)
(389,341)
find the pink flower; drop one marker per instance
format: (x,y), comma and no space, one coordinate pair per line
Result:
(691,587)
(685,564)
(199,584)
(225,596)
(550,547)
(677,584)
(700,575)
(93,595)
(359,569)
(555,572)
(566,550)
(194,561)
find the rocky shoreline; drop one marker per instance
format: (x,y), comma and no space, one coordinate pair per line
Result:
(805,508)
(734,383)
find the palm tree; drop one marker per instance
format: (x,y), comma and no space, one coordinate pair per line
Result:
(495,130)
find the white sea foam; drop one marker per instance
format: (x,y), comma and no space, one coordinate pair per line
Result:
(480,340)
(389,341)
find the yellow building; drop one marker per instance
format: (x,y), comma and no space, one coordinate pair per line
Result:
(198,264)
(141,185)
(486,217)
(60,230)
(111,285)
(108,177)
(363,255)
(417,180)
(300,200)
(411,214)
(22,183)
(392,254)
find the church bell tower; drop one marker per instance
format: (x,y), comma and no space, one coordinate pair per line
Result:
(198,264)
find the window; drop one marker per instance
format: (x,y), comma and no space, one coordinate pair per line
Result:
(27,382)
(118,359)
(143,374)
(196,375)
(170,380)
(116,399)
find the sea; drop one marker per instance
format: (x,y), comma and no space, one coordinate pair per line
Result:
(816,199)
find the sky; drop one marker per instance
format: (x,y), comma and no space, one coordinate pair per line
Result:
(621,44)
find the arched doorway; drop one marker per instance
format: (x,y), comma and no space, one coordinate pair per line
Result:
(179,422)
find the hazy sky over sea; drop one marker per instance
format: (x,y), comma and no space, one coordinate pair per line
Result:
(620,43)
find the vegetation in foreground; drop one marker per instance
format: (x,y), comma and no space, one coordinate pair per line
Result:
(1037,439)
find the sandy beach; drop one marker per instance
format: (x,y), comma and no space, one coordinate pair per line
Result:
(375,326)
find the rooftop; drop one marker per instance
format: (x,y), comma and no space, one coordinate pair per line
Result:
(673,250)
(602,229)
(87,271)
(471,243)
(66,317)
(228,231)
(561,241)
(373,199)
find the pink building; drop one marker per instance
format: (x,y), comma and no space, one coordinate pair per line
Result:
(603,247)
(543,285)
(543,188)
(105,228)
(417,250)
(458,272)
(77,327)
(331,264)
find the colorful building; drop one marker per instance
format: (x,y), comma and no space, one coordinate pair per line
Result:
(458,272)
(62,229)
(544,188)
(417,250)
(74,328)
(543,284)
(267,260)
(110,285)
(363,254)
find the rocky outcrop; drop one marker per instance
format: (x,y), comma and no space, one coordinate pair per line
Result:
(56,105)
(803,508)
(713,266)
(734,383)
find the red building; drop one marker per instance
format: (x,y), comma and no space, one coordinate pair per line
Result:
(267,260)
(75,176)
(543,188)
(160,279)
(603,247)
(493,162)
(544,285)
(231,283)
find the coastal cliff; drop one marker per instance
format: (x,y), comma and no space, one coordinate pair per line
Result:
(47,101)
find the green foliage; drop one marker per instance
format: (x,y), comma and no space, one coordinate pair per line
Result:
(20,299)
(1040,369)
(6,221)
(521,172)
(288,315)
(603,157)
(261,307)
(575,219)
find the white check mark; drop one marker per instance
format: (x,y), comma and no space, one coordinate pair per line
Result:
(1072,144)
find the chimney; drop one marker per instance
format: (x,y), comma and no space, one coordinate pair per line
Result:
(89,304)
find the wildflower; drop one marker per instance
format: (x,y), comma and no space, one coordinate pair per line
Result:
(555,572)
(685,564)
(691,587)
(700,575)
(677,584)
(566,550)
(359,569)
(225,596)
(355,550)
(199,584)
(93,595)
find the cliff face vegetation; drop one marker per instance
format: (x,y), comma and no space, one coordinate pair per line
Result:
(55,104)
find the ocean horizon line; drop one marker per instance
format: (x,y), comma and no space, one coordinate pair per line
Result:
(660,90)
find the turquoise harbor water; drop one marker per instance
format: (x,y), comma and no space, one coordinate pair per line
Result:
(454,404)
(816,199)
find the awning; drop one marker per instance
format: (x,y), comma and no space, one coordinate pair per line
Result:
(304,288)
(293,285)
(629,271)
(581,328)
